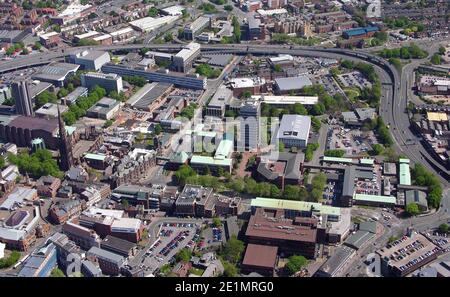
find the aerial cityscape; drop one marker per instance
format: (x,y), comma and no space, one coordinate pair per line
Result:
(224,138)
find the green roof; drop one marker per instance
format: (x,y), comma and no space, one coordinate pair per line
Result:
(224,149)
(98,157)
(375,198)
(366,161)
(405,174)
(295,205)
(211,161)
(337,160)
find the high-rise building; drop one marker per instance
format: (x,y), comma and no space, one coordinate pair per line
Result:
(65,146)
(22,97)
(249,127)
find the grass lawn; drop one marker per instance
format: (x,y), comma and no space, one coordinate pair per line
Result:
(352,93)
(196,271)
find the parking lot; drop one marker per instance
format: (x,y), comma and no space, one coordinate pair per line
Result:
(331,192)
(330,85)
(211,238)
(354,79)
(172,238)
(353,142)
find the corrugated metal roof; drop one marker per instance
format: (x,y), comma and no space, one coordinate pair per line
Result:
(295,205)
(375,198)
(337,160)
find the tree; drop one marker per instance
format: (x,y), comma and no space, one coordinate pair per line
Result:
(441,50)
(184,255)
(2,162)
(377,149)
(229,269)
(246,94)
(228,7)
(277,68)
(436,59)
(443,228)
(158,129)
(217,222)
(108,123)
(38,164)
(233,249)
(10,261)
(412,209)
(295,263)
(207,70)
(63,92)
(153,12)
(236,30)
(183,173)
(45,97)
(56,272)
(281,146)
(168,37)
(334,153)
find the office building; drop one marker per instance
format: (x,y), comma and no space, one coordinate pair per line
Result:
(192,30)
(82,236)
(249,126)
(119,246)
(262,259)
(195,201)
(90,60)
(296,236)
(22,98)
(178,79)
(136,195)
(294,131)
(183,60)
(40,263)
(110,263)
(286,85)
(50,110)
(106,109)
(281,168)
(217,104)
(110,82)
(55,73)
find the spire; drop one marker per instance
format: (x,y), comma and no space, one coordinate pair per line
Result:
(65,145)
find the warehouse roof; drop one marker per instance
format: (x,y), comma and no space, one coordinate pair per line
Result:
(292,83)
(104,254)
(55,71)
(375,198)
(203,160)
(260,255)
(337,160)
(149,93)
(405,174)
(286,100)
(358,239)
(294,126)
(295,205)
